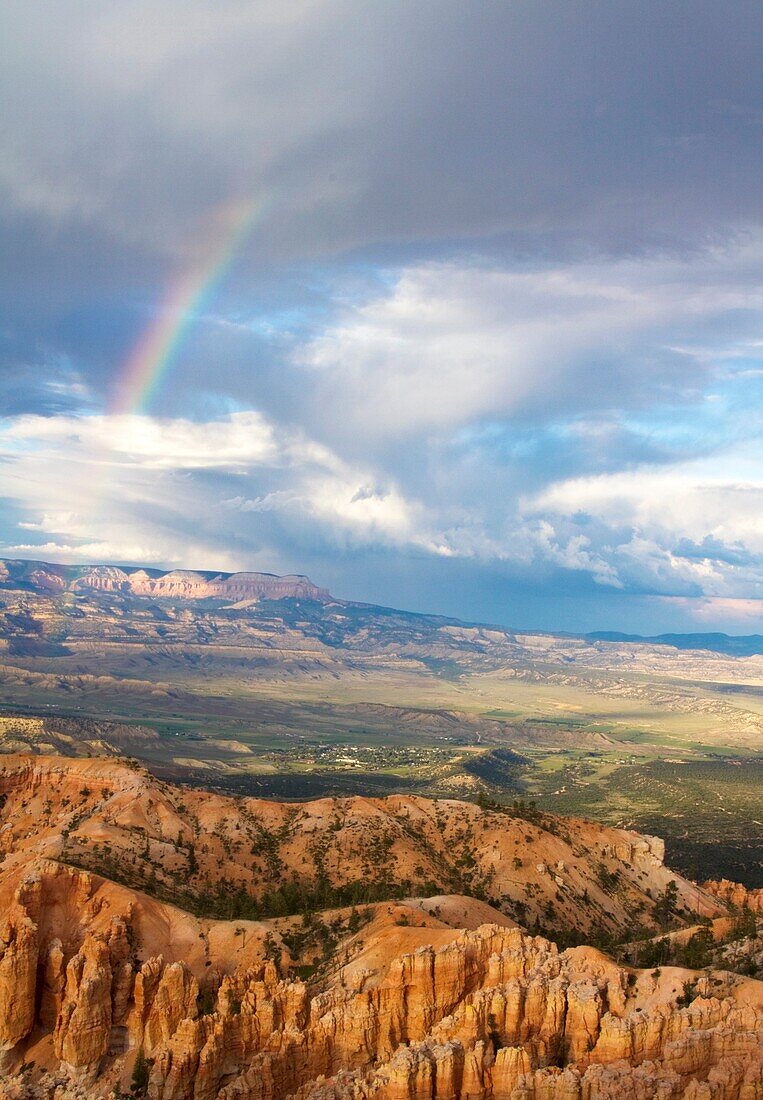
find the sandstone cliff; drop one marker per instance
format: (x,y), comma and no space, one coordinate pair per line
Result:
(400,1002)
(493,1013)
(183,584)
(736,895)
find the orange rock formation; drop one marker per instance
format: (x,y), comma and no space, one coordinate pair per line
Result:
(409,1008)
(737,895)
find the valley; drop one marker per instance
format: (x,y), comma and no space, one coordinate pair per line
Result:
(272,687)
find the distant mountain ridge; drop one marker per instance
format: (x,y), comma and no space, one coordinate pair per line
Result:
(191,584)
(734,645)
(52,579)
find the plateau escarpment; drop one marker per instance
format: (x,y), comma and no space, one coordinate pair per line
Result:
(183,584)
(309,969)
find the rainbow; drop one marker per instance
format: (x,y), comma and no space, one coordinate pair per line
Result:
(158,346)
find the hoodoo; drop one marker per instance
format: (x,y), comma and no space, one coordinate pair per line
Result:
(258,951)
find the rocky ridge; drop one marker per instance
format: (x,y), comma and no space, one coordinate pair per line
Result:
(257,858)
(408,1005)
(177,584)
(494,1012)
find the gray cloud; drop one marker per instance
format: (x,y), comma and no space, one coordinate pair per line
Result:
(531,129)
(392,123)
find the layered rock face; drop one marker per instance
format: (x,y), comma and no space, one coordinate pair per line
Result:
(182,584)
(494,1013)
(19,948)
(736,895)
(407,1005)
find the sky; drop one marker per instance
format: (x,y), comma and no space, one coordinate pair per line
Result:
(453,307)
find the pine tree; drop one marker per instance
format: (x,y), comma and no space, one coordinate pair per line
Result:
(140,1074)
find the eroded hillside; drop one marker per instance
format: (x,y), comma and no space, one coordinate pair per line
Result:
(373,948)
(251,857)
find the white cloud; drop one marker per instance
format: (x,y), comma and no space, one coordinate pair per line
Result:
(243,438)
(709,610)
(675,530)
(450,343)
(233,491)
(384,442)
(679,502)
(93,484)
(85,551)
(139,488)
